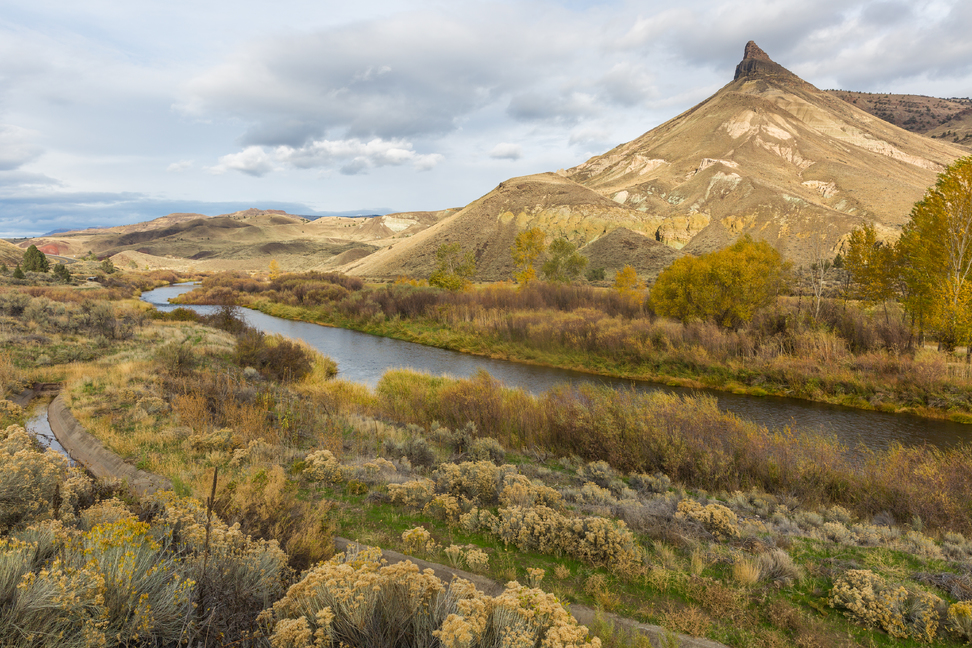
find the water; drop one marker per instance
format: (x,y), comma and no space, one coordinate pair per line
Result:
(365,358)
(40,428)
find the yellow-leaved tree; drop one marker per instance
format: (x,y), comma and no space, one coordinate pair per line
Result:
(726,287)
(936,250)
(274,269)
(873,265)
(527,249)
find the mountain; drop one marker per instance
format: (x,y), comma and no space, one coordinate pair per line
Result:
(947,119)
(771,156)
(768,155)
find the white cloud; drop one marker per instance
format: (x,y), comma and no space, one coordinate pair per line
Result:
(589,135)
(179,167)
(17,147)
(253,160)
(506,151)
(356,156)
(351,156)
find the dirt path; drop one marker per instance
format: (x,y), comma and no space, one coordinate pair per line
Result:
(104,464)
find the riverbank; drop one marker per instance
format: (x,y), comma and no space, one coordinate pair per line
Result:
(811,365)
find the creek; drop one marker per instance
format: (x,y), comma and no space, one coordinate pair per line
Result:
(364,358)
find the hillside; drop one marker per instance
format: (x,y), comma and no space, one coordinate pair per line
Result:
(947,119)
(771,156)
(489,225)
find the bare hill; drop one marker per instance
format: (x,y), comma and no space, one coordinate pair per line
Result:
(623,247)
(771,156)
(10,254)
(489,225)
(244,240)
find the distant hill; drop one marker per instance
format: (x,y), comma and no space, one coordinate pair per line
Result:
(242,240)
(947,119)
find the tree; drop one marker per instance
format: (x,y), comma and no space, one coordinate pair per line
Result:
(937,247)
(817,272)
(107,266)
(274,269)
(565,263)
(62,273)
(594,274)
(454,267)
(35,260)
(873,266)
(527,249)
(18,273)
(627,284)
(726,287)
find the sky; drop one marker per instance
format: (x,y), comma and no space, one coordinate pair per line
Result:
(117,112)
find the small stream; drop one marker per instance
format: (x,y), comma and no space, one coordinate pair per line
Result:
(364,358)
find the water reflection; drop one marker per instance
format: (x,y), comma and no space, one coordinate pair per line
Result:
(39,427)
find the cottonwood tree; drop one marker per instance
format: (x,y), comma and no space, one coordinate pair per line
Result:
(454,267)
(819,265)
(565,263)
(937,247)
(873,265)
(726,287)
(526,251)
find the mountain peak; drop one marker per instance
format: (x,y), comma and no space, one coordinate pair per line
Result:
(757,63)
(753,51)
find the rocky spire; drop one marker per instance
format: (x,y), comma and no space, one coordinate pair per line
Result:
(757,63)
(753,51)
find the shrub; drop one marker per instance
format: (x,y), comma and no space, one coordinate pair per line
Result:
(323,466)
(34,485)
(716,518)
(777,567)
(656,483)
(487,449)
(902,613)
(352,600)
(414,448)
(593,539)
(273,356)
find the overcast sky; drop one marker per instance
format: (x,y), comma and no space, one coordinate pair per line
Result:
(115,112)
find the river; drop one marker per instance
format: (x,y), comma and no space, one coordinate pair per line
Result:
(364,358)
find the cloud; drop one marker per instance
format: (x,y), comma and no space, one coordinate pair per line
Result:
(16,147)
(506,151)
(179,167)
(353,156)
(589,135)
(567,108)
(628,84)
(394,77)
(253,160)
